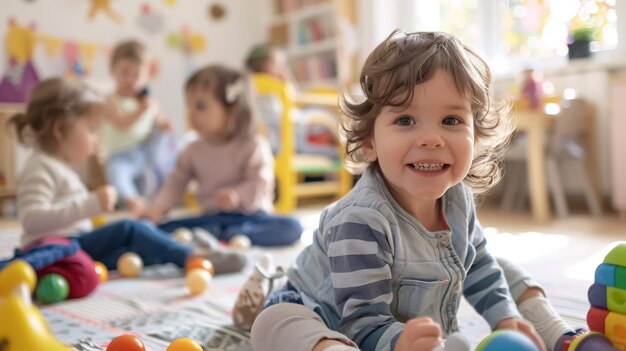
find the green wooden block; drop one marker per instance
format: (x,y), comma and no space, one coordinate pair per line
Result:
(617,256)
(620,277)
(616,300)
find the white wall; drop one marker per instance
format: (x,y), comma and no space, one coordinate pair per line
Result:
(227,40)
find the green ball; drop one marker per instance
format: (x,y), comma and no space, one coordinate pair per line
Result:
(52,288)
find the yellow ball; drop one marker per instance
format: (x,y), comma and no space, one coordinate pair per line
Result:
(240,241)
(183,235)
(98,221)
(198,281)
(184,344)
(130,265)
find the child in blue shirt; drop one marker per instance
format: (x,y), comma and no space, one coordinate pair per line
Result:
(391,260)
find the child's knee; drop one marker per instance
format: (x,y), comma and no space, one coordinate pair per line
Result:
(79,271)
(272,325)
(292,231)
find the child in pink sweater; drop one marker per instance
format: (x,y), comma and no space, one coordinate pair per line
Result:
(230,162)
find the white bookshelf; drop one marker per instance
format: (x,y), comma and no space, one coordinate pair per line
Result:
(309,32)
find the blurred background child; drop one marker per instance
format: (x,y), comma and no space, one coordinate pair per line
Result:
(61,124)
(134,128)
(315,127)
(231,163)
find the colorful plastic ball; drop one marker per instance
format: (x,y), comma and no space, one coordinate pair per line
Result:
(199,262)
(184,344)
(130,265)
(98,221)
(126,342)
(198,281)
(52,288)
(101,271)
(506,340)
(183,235)
(240,241)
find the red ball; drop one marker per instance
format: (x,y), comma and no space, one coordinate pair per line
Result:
(126,342)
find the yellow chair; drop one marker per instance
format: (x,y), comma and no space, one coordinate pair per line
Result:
(290,167)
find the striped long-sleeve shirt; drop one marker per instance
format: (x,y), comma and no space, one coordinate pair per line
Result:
(372,266)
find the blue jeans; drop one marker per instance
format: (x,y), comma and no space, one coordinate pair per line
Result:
(108,243)
(142,165)
(262,229)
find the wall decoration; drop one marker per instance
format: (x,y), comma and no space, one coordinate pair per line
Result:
(20,76)
(148,20)
(186,41)
(77,57)
(217,12)
(103,6)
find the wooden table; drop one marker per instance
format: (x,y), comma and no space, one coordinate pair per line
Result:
(536,124)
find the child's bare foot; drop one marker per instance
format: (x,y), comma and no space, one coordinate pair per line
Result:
(136,205)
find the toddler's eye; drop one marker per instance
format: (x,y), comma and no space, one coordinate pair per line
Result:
(404,121)
(450,120)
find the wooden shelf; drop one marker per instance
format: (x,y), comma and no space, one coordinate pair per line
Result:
(7,149)
(309,32)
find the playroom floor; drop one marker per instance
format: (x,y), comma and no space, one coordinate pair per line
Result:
(561,254)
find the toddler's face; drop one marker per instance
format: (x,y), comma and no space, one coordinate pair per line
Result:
(130,76)
(424,148)
(81,140)
(206,114)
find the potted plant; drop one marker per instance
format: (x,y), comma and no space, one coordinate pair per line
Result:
(580,42)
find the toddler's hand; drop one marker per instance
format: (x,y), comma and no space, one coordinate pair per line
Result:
(152,214)
(107,196)
(420,334)
(525,328)
(227,199)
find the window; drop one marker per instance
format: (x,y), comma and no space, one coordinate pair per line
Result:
(541,28)
(516,30)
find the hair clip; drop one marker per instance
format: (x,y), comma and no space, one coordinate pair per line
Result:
(90,96)
(233,90)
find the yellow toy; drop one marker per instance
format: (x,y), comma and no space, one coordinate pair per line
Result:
(22,326)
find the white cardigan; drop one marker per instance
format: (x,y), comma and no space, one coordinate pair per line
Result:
(52,200)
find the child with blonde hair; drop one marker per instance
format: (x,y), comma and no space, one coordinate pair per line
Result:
(391,260)
(61,125)
(134,129)
(232,164)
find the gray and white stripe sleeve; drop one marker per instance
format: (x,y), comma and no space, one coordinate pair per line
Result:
(360,257)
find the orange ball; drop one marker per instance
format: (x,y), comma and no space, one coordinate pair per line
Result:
(199,262)
(126,342)
(184,344)
(102,271)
